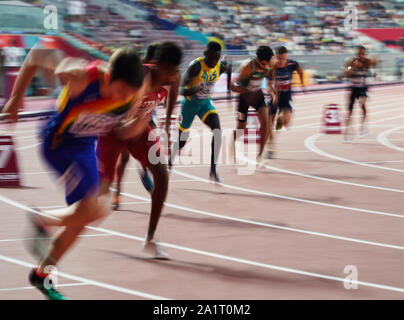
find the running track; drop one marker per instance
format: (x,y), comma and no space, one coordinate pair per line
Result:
(285,232)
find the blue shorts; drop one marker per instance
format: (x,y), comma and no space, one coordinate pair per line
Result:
(284,99)
(77,165)
(190,108)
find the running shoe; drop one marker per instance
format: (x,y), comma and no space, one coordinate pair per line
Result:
(214,177)
(364,132)
(260,161)
(347,138)
(270,153)
(116,202)
(45,285)
(154,250)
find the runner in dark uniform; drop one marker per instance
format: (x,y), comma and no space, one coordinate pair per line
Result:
(357,70)
(281,84)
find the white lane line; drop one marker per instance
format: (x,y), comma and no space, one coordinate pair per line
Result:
(321,178)
(310,144)
(63,206)
(87,281)
(382,138)
(256,264)
(28,147)
(186,249)
(59,286)
(387,161)
(81,236)
(171,180)
(268,225)
(278,196)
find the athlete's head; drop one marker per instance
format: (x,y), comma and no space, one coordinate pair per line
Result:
(361,52)
(151,50)
(212,53)
(168,58)
(281,55)
(264,55)
(125,74)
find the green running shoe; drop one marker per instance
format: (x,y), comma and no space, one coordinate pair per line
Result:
(46,287)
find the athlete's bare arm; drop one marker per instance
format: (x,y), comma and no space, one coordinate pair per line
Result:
(227,67)
(171,100)
(301,77)
(270,88)
(191,73)
(245,72)
(350,67)
(69,71)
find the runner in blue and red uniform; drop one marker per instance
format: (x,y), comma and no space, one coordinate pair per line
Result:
(94,99)
(280,84)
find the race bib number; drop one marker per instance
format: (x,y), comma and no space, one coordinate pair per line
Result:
(206,90)
(88,124)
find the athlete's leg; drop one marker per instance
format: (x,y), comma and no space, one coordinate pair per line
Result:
(188,111)
(273,110)
(81,178)
(364,130)
(62,242)
(351,103)
(120,170)
(158,196)
(213,122)
(264,127)
(242,113)
(141,150)
(362,102)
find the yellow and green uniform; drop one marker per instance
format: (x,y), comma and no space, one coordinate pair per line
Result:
(200,103)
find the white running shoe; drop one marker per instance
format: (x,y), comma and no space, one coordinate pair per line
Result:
(347,138)
(260,161)
(154,250)
(364,131)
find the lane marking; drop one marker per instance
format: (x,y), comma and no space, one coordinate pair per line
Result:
(87,281)
(268,225)
(310,144)
(278,196)
(382,138)
(195,251)
(304,175)
(58,286)
(81,236)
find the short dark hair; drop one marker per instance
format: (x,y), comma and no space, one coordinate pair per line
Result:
(125,65)
(213,46)
(168,53)
(281,50)
(150,51)
(264,53)
(360,48)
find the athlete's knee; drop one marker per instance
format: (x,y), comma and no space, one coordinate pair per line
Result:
(91,209)
(124,159)
(213,121)
(182,138)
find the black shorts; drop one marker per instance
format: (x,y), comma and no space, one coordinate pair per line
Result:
(283,103)
(357,93)
(255,100)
